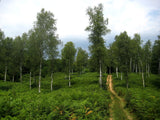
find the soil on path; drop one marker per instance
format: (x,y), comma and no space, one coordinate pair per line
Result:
(115,96)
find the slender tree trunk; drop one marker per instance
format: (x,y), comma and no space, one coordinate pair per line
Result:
(72,71)
(30,79)
(5,74)
(121,75)
(51,81)
(143,79)
(142,75)
(13,78)
(20,68)
(40,76)
(100,77)
(117,71)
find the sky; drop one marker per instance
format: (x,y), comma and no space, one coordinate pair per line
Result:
(133,16)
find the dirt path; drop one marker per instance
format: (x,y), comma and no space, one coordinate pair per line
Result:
(115,98)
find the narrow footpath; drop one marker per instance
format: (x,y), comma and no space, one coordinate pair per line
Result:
(117,111)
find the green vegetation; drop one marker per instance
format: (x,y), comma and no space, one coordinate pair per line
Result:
(143,102)
(83,100)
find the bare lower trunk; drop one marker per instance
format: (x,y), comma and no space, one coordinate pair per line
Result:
(5,74)
(40,77)
(51,81)
(100,77)
(72,71)
(121,75)
(30,80)
(13,78)
(20,68)
(117,71)
(69,75)
(143,80)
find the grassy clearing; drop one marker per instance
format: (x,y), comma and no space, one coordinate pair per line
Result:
(84,100)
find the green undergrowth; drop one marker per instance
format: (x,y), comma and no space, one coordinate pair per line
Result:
(83,100)
(143,102)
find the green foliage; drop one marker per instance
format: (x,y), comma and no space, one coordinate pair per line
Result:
(141,101)
(83,100)
(68,56)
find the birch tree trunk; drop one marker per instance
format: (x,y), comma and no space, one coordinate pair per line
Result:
(30,80)
(5,74)
(117,71)
(40,77)
(51,81)
(142,75)
(20,68)
(143,79)
(100,77)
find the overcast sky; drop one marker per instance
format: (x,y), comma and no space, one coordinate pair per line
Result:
(133,16)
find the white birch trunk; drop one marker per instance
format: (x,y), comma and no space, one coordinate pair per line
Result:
(100,77)
(51,81)
(20,68)
(117,71)
(5,74)
(121,75)
(143,79)
(139,70)
(30,80)
(40,77)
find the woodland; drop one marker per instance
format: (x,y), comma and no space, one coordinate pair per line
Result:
(39,81)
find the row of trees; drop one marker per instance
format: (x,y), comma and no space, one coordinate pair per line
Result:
(36,52)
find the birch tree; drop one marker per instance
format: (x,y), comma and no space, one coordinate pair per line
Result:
(97,28)
(44,28)
(68,57)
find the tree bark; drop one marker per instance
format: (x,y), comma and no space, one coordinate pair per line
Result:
(51,81)
(20,68)
(117,71)
(143,79)
(5,74)
(30,80)
(100,77)
(148,70)
(40,76)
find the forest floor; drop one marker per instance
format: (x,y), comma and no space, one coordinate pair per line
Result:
(117,111)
